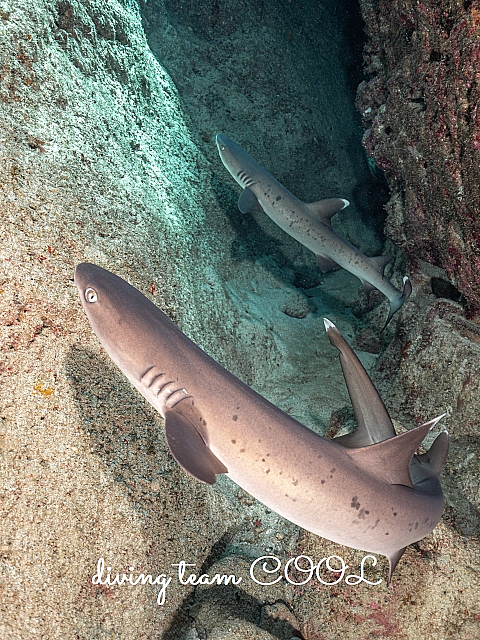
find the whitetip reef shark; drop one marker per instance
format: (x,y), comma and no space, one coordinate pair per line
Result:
(368,490)
(310,224)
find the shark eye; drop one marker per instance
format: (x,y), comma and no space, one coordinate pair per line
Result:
(90,295)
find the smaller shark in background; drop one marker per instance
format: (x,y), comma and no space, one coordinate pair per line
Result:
(368,490)
(310,224)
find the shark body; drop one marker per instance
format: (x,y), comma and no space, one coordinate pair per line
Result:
(309,224)
(369,492)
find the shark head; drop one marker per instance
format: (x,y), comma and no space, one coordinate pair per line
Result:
(240,164)
(111,304)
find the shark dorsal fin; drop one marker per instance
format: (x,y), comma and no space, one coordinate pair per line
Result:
(326,209)
(389,460)
(373,422)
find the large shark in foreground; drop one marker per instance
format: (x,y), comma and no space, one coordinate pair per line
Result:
(368,490)
(310,224)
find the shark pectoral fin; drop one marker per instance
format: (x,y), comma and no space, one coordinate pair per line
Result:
(189,448)
(390,460)
(326,209)
(248,202)
(326,264)
(392,563)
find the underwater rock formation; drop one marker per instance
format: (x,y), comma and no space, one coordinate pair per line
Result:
(421,110)
(100,161)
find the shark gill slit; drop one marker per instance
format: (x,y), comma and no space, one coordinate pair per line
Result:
(245,178)
(168,396)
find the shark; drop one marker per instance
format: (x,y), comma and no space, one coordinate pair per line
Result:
(368,490)
(309,223)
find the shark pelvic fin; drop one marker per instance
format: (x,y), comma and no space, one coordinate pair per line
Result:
(367,287)
(434,459)
(326,209)
(248,202)
(326,264)
(189,448)
(427,467)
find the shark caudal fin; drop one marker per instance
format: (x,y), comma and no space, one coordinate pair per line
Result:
(392,563)
(395,305)
(424,471)
(426,468)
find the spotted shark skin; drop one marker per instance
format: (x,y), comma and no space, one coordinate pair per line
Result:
(309,224)
(368,492)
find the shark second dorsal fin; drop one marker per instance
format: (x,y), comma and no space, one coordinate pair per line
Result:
(189,448)
(324,210)
(390,460)
(380,262)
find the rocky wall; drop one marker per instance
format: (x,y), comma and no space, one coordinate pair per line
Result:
(420,108)
(100,161)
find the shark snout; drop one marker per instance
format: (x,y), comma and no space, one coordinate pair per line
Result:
(222,141)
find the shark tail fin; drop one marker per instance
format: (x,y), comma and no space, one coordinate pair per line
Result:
(425,468)
(434,459)
(392,563)
(396,304)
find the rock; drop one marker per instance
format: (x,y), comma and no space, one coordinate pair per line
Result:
(420,112)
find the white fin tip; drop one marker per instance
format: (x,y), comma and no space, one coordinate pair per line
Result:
(436,420)
(328,324)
